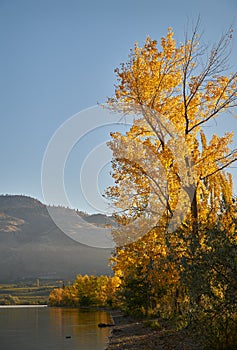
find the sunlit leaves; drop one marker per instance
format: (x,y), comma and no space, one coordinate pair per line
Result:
(167,172)
(87,291)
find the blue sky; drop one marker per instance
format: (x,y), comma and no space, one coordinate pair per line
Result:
(57,59)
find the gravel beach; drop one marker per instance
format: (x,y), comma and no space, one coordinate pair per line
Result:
(136,335)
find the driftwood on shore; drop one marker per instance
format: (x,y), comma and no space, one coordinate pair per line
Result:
(103,325)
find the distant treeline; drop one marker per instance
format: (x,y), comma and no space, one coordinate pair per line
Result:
(86,291)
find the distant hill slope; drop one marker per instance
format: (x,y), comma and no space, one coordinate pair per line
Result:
(32,246)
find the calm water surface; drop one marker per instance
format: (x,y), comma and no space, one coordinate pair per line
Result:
(43,328)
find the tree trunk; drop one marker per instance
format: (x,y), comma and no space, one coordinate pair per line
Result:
(194,211)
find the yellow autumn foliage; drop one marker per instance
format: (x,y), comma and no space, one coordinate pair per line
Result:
(167,172)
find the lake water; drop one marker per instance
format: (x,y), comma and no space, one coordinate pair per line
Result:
(43,328)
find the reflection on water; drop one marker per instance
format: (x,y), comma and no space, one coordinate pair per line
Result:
(52,329)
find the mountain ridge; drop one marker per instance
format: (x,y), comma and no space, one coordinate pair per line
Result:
(32,246)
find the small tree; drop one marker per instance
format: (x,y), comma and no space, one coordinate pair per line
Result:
(209,277)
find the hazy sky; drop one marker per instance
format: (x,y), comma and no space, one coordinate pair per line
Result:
(57,59)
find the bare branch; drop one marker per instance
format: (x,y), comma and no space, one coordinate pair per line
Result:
(219,169)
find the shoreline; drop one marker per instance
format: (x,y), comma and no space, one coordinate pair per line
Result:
(128,333)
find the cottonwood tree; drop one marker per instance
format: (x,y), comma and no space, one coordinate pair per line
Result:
(174,92)
(167,171)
